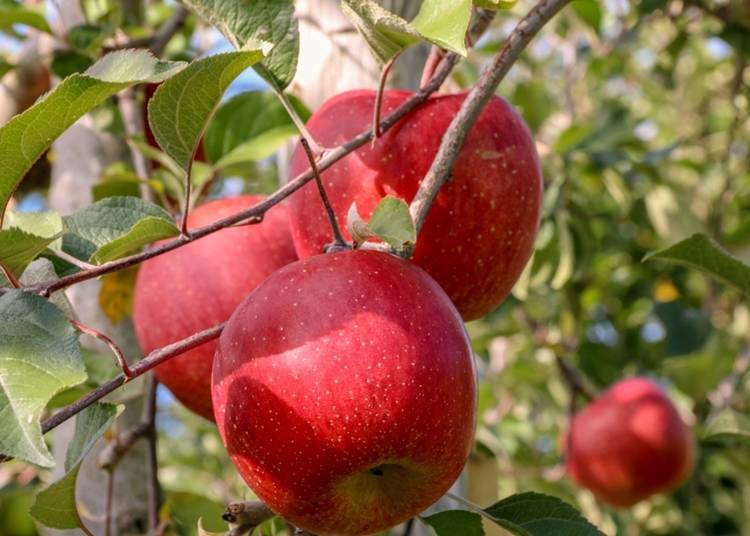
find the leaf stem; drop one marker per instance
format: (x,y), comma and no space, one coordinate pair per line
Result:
(121,361)
(379,97)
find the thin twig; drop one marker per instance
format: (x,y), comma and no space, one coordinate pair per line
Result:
(132,118)
(478,97)
(574,382)
(152,462)
(338,238)
(330,158)
(247,513)
(116,449)
(168,30)
(153,359)
(121,361)
(110,501)
(379,97)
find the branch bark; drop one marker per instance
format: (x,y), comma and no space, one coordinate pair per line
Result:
(256,211)
(476,100)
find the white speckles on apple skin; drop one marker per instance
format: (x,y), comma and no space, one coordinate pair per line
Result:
(505,192)
(384,373)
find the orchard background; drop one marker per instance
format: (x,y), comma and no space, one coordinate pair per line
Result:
(640,116)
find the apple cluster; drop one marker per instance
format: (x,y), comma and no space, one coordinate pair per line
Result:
(343,385)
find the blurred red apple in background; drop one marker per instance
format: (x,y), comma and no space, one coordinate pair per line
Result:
(629,444)
(480,231)
(344,390)
(199,285)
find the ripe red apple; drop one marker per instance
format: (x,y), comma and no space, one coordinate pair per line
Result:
(199,285)
(629,444)
(344,390)
(480,231)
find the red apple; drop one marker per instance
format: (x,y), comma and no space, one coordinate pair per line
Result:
(629,444)
(480,231)
(344,390)
(199,285)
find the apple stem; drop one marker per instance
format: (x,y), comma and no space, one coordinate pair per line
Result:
(338,238)
(121,361)
(247,515)
(379,97)
(477,99)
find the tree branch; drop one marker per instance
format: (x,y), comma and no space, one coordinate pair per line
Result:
(153,359)
(477,99)
(256,211)
(152,462)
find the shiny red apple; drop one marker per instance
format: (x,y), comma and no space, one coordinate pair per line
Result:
(480,231)
(344,390)
(629,444)
(199,285)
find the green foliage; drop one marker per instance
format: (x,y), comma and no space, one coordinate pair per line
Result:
(37,342)
(18,248)
(249,127)
(456,522)
(183,105)
(12,12)
(390,222)
(704,254)
(534,514)
(116,226)
(262,21)
(441,22)
(25,137)
(55,506)
(727,422)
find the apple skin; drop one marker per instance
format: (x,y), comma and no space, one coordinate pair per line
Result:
(199,285)
(339,367)
(629,444)
(480,231)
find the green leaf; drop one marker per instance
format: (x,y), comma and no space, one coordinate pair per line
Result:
(727,423)
(259,21)
(46,224)
(249,127)
(68,62)
(454,522)
(590,11)
(181,108)
(39,357)
(24,138)
(535,514)
(444,23)
(495,5)
(386,34)
(18,248)
(391,222)
(117,226)
(12,13)
(55,506)
(85,36)
(704,254)
(42,271)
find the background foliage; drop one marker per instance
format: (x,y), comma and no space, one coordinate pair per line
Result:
(640,111)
